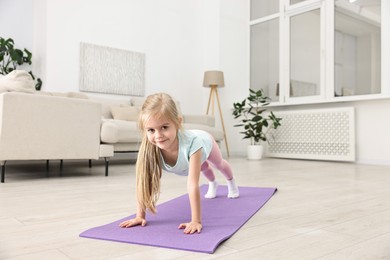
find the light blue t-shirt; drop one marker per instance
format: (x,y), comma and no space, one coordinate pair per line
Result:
(190,141)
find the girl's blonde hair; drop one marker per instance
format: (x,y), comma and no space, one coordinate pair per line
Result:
(148,165)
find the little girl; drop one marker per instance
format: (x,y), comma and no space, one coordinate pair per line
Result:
(165,146)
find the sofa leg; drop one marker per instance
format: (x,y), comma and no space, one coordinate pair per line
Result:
(61,166)
(47,168)
(107,163)
(3,172)
(90,163)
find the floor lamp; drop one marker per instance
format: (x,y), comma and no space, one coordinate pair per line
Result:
(213,80)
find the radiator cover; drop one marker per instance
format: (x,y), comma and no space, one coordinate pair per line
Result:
(322,134)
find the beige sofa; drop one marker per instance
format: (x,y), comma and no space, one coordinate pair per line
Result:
(119,124)
(49,126)
(60,126)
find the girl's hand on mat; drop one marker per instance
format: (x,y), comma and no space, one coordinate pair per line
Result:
(133,222)
(191,227)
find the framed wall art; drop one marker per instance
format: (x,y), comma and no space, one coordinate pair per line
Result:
(111,71)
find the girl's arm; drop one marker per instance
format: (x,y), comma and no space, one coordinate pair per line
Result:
(194,194)
(138,220)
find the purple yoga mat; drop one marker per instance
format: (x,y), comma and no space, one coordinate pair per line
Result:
(221,218)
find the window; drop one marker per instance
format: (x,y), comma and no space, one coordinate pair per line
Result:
(305,54)
(357,48)
(308,51)
(262,8)
(265,57)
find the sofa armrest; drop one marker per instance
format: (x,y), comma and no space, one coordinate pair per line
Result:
(199,119)
(34,127)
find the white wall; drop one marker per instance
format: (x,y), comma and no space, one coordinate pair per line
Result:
(373,128)
(10,26)
(170,33)
(181,39)
(234,62)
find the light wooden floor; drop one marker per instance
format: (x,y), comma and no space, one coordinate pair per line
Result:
(323,210)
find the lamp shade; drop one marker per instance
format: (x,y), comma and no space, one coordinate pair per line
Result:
(212,78)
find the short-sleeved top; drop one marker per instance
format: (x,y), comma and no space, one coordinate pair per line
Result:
(190,141)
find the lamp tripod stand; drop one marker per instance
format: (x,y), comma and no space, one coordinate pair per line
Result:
(214,92)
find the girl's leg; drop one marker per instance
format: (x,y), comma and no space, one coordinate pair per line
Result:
(207,171)
(209,174)
(216,160)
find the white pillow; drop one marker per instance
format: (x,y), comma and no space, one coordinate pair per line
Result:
(18,80)
(128,113)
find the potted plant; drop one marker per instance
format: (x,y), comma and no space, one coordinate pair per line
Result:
(11,58)
(255,120)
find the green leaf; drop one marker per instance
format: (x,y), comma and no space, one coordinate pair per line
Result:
(257,118)
(17,55)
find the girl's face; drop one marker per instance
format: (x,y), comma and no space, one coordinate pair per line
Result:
(162,133)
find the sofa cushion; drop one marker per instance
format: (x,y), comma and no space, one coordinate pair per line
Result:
(63,94)
(119,131)
(17,80)
(108,103)
(77,95)
(128,113)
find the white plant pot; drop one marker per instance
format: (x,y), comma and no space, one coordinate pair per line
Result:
(255,152)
